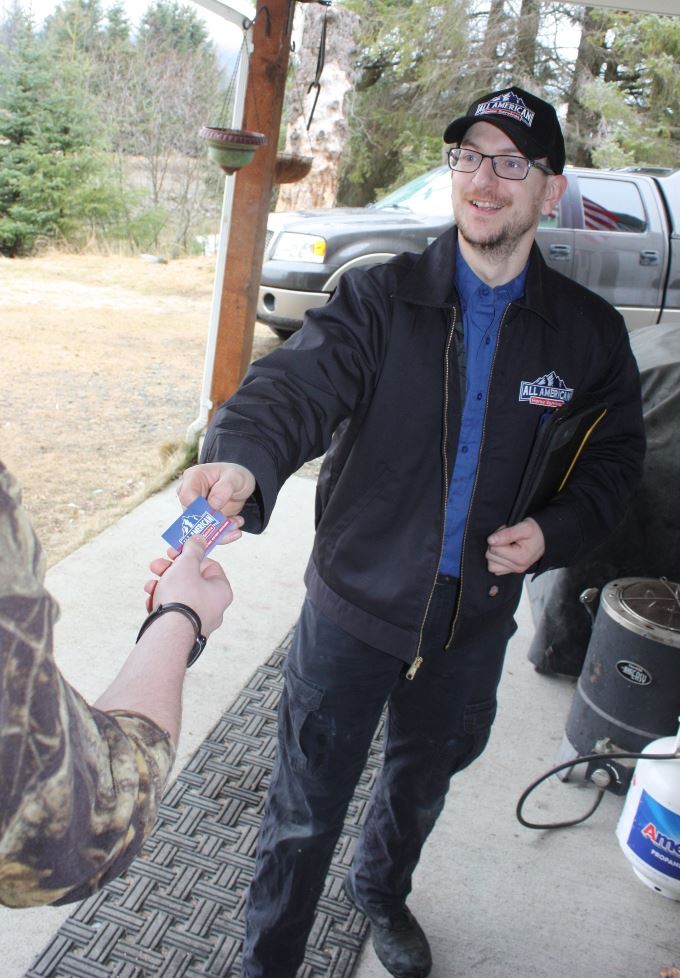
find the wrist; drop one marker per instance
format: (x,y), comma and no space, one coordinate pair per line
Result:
(178,609)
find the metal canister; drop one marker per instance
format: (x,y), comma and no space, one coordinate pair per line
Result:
(628,692)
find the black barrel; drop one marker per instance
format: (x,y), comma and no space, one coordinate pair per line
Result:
(628,692)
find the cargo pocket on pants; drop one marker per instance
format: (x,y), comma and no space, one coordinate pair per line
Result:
(479,716)
(299,701)
(477,721)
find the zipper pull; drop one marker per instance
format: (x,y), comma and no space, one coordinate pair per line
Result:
(414,667)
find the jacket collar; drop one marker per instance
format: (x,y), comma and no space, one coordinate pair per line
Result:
(429,282)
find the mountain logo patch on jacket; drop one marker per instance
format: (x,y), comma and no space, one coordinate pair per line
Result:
(547,391)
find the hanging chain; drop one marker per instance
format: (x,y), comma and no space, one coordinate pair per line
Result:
(226,112)
(229,95)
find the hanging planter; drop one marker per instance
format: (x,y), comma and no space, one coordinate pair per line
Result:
(289,167)
(231,148)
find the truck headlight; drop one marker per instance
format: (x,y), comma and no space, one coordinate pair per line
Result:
(299,247)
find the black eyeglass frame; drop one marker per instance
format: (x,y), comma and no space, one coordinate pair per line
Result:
(497,156)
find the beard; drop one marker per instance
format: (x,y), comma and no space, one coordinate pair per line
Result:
(502,243)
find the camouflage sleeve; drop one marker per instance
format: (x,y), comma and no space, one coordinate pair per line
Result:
(80,788)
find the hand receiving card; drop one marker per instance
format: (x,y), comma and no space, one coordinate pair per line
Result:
(198,518)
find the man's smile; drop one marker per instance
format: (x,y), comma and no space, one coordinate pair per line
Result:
(484,205)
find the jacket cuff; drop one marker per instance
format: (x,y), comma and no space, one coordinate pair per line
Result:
(258,508)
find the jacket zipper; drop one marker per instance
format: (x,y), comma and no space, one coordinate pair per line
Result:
(474,485)
(418,661)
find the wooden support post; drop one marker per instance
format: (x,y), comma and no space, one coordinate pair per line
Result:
(252,198)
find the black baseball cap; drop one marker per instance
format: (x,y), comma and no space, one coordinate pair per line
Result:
(531,123)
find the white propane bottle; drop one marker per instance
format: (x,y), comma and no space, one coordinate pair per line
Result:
(649,827)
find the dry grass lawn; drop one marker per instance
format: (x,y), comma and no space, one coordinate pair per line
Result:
(100,377)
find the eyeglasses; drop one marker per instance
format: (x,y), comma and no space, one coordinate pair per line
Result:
(507,167)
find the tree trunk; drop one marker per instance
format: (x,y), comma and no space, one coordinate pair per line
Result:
(488,60)
(527,42)
(582,124)
(329,132)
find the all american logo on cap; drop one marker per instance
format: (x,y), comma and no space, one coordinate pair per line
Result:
(507,104)
(547,391)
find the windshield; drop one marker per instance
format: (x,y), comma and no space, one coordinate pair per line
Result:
(429,195)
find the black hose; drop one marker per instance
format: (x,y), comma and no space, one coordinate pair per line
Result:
(585,759)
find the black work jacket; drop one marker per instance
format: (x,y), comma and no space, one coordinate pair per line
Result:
(372,380)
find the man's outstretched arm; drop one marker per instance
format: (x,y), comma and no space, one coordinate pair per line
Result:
(82,786)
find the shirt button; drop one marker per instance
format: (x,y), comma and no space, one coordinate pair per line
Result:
(479,396)
(464,449)
(493,590)
(487,340)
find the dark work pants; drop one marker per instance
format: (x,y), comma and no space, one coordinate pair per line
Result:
(335,689)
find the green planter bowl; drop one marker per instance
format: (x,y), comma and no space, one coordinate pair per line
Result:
(231,148)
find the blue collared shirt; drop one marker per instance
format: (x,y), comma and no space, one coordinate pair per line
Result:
(482,310)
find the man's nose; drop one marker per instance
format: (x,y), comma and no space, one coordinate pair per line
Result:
(485,170)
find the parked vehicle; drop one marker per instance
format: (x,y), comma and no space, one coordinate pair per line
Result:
(615,231)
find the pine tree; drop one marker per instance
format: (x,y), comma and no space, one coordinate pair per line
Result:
(53,179)
(168,22)
(409,83)
(625,100)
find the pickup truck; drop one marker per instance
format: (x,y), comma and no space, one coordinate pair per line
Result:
(615,231)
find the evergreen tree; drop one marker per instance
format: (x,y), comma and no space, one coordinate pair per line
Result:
(75,28)
(53,175)
(169,23)
(625,106)
(410,83)
(117,29)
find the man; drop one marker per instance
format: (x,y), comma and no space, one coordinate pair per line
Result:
(81,785)
(428,378)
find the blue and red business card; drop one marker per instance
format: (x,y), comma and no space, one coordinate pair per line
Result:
(198,518)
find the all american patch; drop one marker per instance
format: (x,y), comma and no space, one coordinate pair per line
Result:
(508,104)
(547,391)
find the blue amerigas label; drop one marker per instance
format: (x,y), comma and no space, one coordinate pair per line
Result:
(655,836)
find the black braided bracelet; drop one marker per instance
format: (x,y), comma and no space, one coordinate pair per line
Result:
(189,613)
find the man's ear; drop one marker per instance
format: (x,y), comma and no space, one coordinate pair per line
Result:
(555,191)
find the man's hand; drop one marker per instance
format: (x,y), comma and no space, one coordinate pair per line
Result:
(225,485)
(150,680)
(191,579)
(514,549)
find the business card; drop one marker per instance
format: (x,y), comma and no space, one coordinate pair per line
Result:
(198,518)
